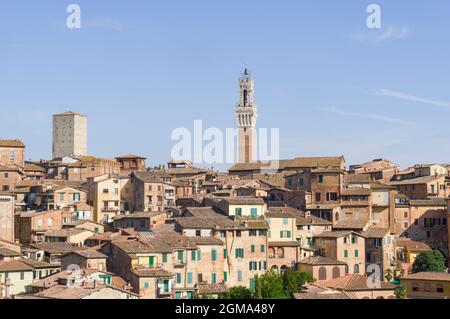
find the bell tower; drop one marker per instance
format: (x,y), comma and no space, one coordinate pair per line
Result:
(246,120)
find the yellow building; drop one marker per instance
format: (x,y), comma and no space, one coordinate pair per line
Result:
(427,285)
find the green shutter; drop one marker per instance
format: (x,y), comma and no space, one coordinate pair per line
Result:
(213,254)
(189,278)
(263,248)
(289,234)
(345,253)
(237,253)
(164,257)
(225,276)
(252,248)
(193,255)
(178,278)
(199,254)
(356,253)
(213,278)
(224,253)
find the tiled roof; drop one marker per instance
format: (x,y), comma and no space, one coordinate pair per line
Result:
(333,234)
(373,232)
(433,276)
(211,288)
(242,200)
(90,254)
(129,156)
(412,245)
(355,282)
(350,224)
(6,252)
(429,202)
(319,260)
(36,264)
(418,180)
(14,265)
(302,218)
(57,248)
(284,244)
(153,272)
(11,143)
(315,292)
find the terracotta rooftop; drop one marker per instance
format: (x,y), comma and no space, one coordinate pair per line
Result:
(432,276)
(319,260)
(11,143)
(355,282)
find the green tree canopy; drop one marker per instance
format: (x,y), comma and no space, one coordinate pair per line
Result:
(293,281)
(429,261)
(239,292)
(400,292)
(270,286)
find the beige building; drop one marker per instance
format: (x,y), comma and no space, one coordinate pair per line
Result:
(104,196)
(6,217)
(152,191)
(345,246)
(12,153)
(69,135)
(321,268)
(85,259)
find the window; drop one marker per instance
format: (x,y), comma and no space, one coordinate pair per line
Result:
(50,222)
(6,175)
(177,295)
(11,155)
(76,197)
(262,248)
(356,253)
(252,233)
(180,256)
(224,253)
(415,287)
(439,288)
(406,214)
(289,182)
(198,233)
(356,269)
(433,189)
(213,255)
(332,197)
(322,273)
(199,278)
(238,233)
(239,253)
(239,275)
(354,240)
(318,197)
(301,182)
(285,221)
(225,276)
(416,222)
(238,212)
(164,257)
(320,179)
(285,234)
(252,284)
(178,278)
(189,278)
(254,212)
(252,248)
(213,278)
(345,253)
(146,285)
(105,191)
(61,196)
(22,275)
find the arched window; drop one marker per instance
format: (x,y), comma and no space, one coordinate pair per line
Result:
(245,97)
(322,273)
(336,272)
(356,269)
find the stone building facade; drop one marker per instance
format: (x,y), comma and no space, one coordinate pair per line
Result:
(69,135)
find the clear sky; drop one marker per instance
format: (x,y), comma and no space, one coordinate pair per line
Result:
(138,69)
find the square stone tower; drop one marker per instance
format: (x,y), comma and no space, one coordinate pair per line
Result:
(69,135)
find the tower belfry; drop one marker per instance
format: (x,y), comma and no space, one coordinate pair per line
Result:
(246,115)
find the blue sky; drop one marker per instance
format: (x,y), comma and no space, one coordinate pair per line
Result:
(139,69)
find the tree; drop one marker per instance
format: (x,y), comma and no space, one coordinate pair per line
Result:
(293,281)
(270,286)
(429,261)
(400,292)
(239,292)
(389,275)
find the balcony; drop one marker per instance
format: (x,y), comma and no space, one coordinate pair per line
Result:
(179,263)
